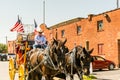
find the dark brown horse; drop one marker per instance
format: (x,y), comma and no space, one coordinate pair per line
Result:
(61,50)
(75,61)
(48,62)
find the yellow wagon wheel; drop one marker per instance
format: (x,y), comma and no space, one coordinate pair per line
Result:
(21,72)
(11,69)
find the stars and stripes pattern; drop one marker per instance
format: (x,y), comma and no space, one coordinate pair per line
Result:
(18,26)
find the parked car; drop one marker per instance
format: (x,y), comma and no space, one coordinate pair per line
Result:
(102,63)
(11,55)
(3,57)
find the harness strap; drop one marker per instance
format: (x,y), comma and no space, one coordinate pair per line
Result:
(39,63)
(36,67)
(38,54)
(72,60)
(47,54)
(51,62)
(45,59)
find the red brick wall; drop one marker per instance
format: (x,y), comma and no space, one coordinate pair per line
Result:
(11,46)
(108,37)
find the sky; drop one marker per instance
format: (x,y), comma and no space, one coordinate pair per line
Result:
(56,11)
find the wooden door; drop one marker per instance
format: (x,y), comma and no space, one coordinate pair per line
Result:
(119,53)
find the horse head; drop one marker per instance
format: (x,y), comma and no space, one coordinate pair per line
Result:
(87,60)
(83,58)
(77,58)
(58,47)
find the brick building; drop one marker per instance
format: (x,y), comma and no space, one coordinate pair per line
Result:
(11,46)
(101,32)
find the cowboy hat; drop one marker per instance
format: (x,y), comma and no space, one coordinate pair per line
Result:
(39,30)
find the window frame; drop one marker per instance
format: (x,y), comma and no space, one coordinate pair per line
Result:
(62,33)
(79,30)
(100,49)
(100,25)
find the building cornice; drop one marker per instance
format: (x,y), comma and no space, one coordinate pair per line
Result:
(65,23)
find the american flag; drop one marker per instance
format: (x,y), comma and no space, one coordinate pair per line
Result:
(18,26)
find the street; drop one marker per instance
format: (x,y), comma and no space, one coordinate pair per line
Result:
(4,71)
(101,75)
(107,75)
(4,75)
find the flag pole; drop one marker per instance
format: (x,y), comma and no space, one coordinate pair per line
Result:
(117,3)
(43,11)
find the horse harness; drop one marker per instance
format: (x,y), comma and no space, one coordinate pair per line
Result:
(47,59)
(73,59)
(38,64)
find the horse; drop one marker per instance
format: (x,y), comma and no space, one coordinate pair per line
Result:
(86,63)
(61,50)
(32,74)
(47,62)
(75,60)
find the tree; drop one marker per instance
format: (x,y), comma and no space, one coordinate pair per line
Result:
(3,48)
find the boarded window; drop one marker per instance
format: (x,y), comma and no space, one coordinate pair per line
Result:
(100,49)
(87,45)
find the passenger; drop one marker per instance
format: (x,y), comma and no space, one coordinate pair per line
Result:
(20,50)
(40,40)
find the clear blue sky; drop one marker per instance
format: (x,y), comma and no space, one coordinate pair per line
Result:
(56,11)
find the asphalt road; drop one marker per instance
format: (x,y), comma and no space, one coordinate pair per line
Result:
(101,75)
(4,72)
(107,75)
(4,75)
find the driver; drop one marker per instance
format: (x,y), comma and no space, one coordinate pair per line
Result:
(40,40)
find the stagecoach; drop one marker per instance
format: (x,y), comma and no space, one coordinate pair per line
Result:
(18,65)
(24,44)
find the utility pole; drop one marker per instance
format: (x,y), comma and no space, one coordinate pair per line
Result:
(43,11)
(6,39)
(117,3)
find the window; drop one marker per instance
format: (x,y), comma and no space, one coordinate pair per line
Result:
(100,25)
(100,49)
(62,33)
(78,29)
(87,45)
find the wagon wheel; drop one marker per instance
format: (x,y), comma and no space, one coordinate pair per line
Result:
(21,72)
(11,69)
